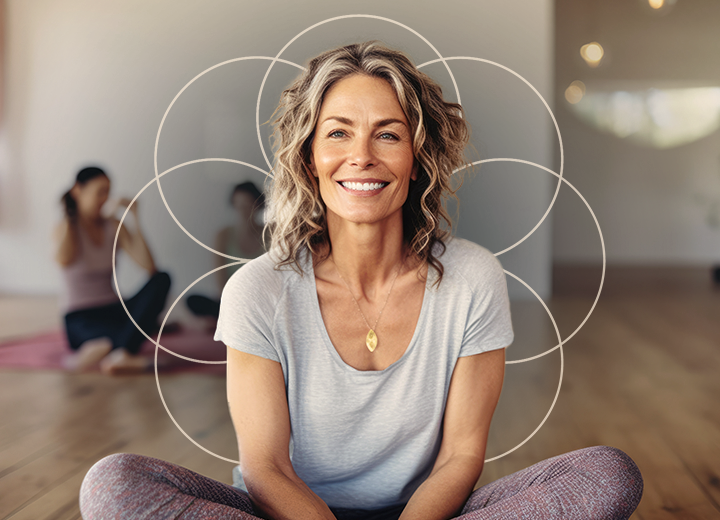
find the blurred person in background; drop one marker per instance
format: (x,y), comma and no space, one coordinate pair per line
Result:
(244,239)
(97,326)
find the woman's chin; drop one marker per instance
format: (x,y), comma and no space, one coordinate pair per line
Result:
(365,217)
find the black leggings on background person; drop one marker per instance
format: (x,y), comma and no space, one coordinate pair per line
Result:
(201,305)
(112,321)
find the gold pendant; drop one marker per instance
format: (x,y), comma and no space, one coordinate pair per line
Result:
(371,340)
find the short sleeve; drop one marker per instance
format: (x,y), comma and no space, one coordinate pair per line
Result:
(247,308)
(488,325)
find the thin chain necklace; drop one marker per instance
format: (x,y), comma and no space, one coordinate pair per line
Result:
(371,340)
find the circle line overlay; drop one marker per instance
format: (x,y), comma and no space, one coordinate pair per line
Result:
(602,245)
(158,345)
(162,397)
(557,129)
(157,176)
(157,378)
(162,123)
(196,161)
(343,17)
(562,367)
(243,260)
(114,253)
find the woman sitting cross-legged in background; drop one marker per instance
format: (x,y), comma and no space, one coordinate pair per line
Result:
(98,328)
(366,349)
(244,240)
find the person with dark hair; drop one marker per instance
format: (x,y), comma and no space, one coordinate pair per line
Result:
(366,349)
(97,327)
(244,239)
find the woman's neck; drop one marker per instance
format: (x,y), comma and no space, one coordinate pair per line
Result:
(90,220)
(367,255)
(247,230)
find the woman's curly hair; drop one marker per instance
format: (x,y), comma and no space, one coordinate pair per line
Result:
(297,213)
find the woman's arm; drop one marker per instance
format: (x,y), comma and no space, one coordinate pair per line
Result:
(259,411)
(65,236)
(473,395)
(134,243)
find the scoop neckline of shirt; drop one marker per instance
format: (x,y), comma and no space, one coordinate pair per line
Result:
(326,337)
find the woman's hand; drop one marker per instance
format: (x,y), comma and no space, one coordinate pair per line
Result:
(122,202)
(259,411)
(125,202)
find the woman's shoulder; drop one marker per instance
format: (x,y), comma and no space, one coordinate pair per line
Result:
(251,298)
(471,261)
(258,278)
(256,271)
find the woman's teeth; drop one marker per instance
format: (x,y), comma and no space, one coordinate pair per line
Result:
(364,186)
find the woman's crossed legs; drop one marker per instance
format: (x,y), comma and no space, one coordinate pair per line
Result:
(598,482)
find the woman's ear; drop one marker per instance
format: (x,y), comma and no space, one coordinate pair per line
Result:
(414,172)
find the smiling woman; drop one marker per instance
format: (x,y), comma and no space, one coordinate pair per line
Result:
(362,140)
(338,418)
(411,122)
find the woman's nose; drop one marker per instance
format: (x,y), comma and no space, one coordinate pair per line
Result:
(361,153)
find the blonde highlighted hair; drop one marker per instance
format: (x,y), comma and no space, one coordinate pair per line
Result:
(296,211)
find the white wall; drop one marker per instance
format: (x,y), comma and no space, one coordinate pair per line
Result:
(643,198)
(88,82)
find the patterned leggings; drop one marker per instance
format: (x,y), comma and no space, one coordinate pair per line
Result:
(598,482)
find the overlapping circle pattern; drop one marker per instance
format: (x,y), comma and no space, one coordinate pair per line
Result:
(277,59)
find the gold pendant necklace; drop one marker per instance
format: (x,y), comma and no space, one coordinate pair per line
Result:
(371,340)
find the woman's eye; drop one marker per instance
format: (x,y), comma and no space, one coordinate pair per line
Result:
(387,137)
(336,133)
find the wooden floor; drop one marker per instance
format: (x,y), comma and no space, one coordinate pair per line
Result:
(643,375)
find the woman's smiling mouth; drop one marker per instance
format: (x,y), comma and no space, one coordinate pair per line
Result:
(363,188)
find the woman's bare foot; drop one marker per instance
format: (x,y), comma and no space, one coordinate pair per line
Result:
(120,361)
(88,355)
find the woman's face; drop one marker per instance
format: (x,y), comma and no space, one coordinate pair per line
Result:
(362,151)
(91,196)
(243,203)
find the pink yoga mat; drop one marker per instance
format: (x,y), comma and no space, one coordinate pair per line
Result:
(47,350)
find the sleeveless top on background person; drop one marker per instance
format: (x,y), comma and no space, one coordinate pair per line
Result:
(366,439)
(88,280)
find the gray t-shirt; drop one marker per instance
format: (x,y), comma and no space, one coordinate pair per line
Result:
(366,439)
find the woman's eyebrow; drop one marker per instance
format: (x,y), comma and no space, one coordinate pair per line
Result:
(350,122)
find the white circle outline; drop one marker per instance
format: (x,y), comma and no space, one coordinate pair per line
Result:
(167,314)
(277,58)
(372,16)
(157,378)
(162,397)
(562,365)
(157,142)
(602,245)
(157,176)
(557,129)
(117,233)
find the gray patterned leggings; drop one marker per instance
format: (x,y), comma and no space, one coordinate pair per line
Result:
(598,482)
